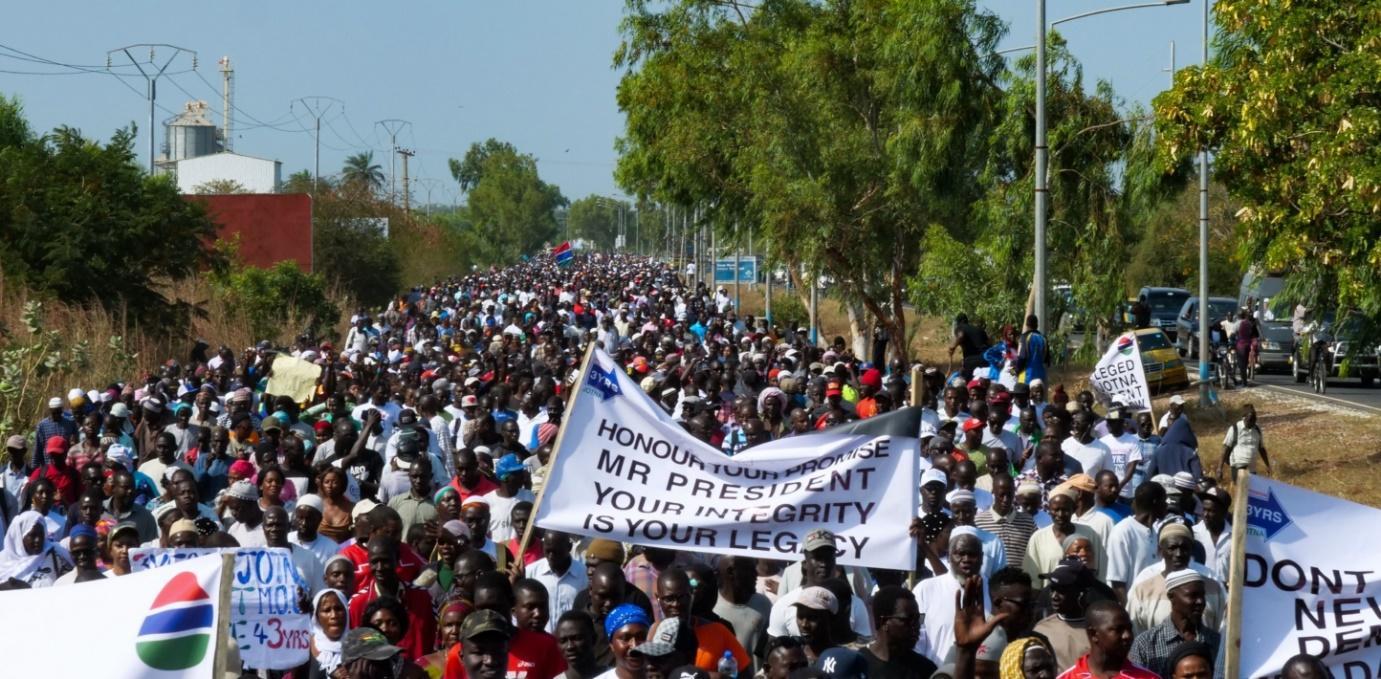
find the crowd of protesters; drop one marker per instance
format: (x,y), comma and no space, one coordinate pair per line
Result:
(1056,537)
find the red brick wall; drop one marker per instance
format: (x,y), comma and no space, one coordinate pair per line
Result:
(272,227)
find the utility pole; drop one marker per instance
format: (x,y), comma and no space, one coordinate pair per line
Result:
(393,126)
(227,104)
(1203,244)
(151,76)
(317,107)
(738,283)
(1042,158)
(406,153)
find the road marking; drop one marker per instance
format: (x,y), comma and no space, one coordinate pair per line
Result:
(1326,397)
(1294,391)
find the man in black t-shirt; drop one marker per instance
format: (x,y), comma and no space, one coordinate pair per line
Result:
(897,624)
(971,341)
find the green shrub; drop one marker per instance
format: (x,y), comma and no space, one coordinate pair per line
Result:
(270,299)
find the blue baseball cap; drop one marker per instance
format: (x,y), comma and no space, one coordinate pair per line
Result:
(507,465)
(842,662)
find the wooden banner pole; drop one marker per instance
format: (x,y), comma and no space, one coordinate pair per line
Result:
(1237,574)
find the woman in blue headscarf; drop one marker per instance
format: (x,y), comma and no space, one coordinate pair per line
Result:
(626,626)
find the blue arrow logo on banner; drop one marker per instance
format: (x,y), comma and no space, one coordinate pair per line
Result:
(1266,514)
(605,382)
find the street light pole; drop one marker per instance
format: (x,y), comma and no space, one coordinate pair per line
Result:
(1042,152)
(1042,149)
(1203,239)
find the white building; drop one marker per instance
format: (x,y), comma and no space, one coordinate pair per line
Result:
(256,175)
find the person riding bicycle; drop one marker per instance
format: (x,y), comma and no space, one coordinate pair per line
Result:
(1246,334)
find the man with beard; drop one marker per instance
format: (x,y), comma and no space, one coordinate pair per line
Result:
(936,596)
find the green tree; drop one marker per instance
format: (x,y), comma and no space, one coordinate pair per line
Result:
(298,182)
(596,219)
(82,222)
(269,298)
(1289,107)
(352,253)
(842,129)
(986,270)
(362,173)
(471,169)
(219,187)
(512,211)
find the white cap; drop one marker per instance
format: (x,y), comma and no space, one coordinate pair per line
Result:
(933,475)
(362,507)
(55,402)
(311,500)
(75,393)
(1177,400)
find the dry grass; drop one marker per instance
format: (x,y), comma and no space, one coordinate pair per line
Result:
(1325,448)
(143,351)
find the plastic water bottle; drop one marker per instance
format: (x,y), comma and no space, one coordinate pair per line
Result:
(728,667)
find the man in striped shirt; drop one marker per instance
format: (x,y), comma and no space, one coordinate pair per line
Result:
(1012,527)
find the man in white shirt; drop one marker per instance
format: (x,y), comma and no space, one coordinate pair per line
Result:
(817,566)
(1124,450)
(510,473)
(309,568)
(247,520)
(1133,545)
(1091,453)
(306,519)
(936,596)
(562,575)
(1214,533)
(1243,444)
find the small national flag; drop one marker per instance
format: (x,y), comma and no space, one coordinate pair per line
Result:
(177,631)
(563,253)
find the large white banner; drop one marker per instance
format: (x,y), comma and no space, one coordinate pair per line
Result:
(1119,377)
(1313,582)
(161,623)
(271,631)
(627,471)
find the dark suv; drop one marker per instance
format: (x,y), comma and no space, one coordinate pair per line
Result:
(1165,305)
(1324,348)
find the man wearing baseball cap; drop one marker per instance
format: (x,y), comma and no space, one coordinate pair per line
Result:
(65,479)
(670,644)
(483,649)
(815,568)
(56,424)
(13,477)
(971,447)
(814,608)
(511,473)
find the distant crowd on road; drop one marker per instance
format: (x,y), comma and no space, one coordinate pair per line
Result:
(1054,539)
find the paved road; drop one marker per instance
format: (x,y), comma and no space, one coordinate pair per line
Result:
(1344,392)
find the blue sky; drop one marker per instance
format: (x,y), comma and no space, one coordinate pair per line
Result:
(536,73)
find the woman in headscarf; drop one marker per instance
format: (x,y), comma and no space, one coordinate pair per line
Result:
(626,626)
(448,624)
(1081,547)
(1027,658)
(447,501)
(339,574)
(330,622)
(30,555)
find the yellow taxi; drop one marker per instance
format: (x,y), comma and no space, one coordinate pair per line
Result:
(1160,361)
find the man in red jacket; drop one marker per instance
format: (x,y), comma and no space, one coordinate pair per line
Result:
(531,654)
(383,564)
(383,521)
(65,479)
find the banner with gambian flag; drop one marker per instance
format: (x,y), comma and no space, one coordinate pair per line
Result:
(159,623)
